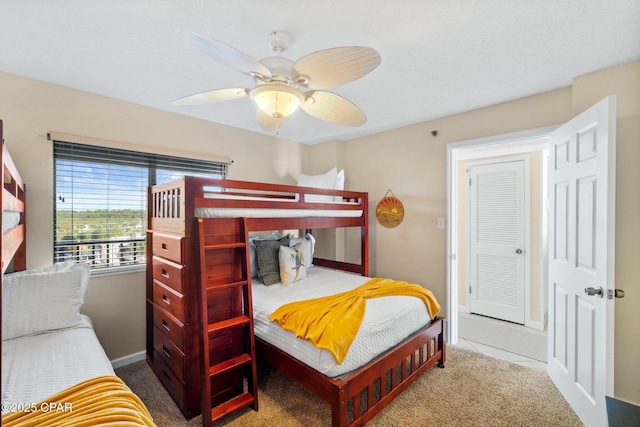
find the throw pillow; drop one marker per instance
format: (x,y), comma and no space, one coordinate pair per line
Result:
(43,300)
(292,268)
(267,257)
(306,245)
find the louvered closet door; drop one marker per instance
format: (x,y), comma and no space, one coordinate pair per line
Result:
(497,240)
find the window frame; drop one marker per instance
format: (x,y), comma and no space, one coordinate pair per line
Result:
(150,163)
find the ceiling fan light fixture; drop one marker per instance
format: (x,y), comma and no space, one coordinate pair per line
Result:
(277,100)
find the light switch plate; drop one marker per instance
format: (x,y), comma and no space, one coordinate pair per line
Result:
(440,223)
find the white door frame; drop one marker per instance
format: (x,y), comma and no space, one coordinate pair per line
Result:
(517,142)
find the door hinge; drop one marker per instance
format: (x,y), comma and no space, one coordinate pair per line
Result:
(469,182)
(469,289)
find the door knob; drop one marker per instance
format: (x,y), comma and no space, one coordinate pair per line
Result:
(518,251)
(615,293)
(593,291)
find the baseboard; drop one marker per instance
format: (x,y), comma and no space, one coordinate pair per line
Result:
(463,309)
(128,360)
(535,325)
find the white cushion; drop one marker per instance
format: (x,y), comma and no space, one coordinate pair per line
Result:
(325,180)
(36,301)
(291,267)
(306,245)
(339,184)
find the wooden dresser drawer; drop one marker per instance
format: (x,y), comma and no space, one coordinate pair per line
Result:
(169,300)
(174,386)
(168,246)
(167,351)
(169,273)
(170,326)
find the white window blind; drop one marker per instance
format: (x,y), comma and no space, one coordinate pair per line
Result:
(101,200)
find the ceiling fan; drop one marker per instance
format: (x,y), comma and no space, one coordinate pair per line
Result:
(281,84)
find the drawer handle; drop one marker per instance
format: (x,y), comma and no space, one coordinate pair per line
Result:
(164,273)
(166,325)
(164,247)
(166,352)
(165,299)
(167,376)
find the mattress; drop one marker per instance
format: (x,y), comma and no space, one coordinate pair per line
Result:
(218,212)
(387,321)
(35,367)
(274,213)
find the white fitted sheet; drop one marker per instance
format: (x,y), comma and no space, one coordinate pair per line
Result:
(36,367)
(387,321)
(274,213)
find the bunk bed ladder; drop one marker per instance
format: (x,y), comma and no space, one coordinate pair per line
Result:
(227,348)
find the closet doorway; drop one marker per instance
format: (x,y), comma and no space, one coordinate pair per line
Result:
(534,144)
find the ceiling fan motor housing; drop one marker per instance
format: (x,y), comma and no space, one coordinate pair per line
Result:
(281,69)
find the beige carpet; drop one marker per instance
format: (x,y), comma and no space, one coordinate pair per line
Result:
(472,390)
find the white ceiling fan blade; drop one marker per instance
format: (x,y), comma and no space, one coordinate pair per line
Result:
(332,108)
(269,123)
(336,66)
(226,54)
(211,96)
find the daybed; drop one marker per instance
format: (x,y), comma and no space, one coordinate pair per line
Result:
(225,210)
(53,367)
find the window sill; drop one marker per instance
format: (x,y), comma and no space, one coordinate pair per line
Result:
(118,270)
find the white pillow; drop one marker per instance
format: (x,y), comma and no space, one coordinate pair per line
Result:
(339,184)
(325,180)
(36,301)
(291,267)
(306,245)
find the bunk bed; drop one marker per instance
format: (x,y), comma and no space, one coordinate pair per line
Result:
(187,211)
(53,365)
(13,214)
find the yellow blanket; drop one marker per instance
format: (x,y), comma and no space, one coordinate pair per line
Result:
(99,401)
(332,322)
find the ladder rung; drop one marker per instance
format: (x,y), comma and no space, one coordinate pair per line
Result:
(230,406)
(229,364)
(234,321)
(230,245)
(227,285)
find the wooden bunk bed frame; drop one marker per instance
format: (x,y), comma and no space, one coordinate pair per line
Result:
(14,252)
(13,249)
(355,397)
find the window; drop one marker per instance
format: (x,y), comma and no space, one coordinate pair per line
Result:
(101,200)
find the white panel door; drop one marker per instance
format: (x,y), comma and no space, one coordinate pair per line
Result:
(497,240)
(581,256)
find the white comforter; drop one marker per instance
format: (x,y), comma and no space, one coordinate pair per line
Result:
(387,322)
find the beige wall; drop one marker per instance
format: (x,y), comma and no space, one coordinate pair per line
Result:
(31,108)
(409,161)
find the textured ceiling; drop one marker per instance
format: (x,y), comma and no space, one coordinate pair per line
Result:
(438,57)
